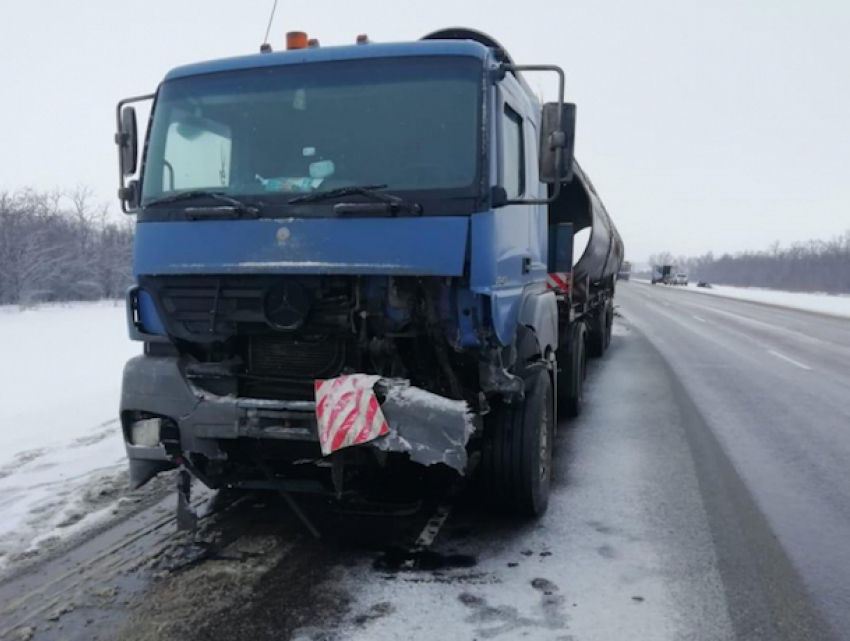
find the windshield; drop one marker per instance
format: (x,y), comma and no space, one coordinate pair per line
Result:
(409,123)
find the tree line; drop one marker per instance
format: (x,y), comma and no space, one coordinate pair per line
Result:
(813,266)
(61,246)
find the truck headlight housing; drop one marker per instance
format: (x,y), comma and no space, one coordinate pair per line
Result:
(145,432)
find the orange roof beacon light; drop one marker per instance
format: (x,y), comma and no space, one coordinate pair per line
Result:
(363,39)
(296,40)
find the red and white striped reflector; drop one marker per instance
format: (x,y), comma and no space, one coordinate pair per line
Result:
(348,413)
(559,281)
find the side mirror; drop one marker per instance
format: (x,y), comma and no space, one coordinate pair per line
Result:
(129,193)
(128,141)
(557,142)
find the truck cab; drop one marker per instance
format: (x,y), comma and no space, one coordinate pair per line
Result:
(342,258)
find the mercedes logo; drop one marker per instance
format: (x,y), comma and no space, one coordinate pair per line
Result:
(286,305)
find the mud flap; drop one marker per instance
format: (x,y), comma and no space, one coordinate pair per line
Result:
(187,518)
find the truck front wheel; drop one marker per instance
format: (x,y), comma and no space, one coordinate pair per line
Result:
(516,459)
(572,366)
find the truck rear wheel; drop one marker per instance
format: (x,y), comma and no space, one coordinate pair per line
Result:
(572,365)
(516,459)
(600,331)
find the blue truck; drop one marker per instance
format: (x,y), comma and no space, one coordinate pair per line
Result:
(663,274)
(357,261)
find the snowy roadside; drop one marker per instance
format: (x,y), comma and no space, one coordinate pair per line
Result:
(61,453)
(832,304)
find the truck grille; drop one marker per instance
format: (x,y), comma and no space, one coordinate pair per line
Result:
(282,368)
(282,357)
(207,308)
(227,314)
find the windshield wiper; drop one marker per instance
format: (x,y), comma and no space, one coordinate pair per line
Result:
(386,204)
(389,208)
(353,190)
(235,206)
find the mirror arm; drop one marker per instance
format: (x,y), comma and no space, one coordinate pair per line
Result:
(555,141)
(121,139)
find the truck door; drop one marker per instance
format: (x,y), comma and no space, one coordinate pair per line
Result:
(538,221)
(508,242)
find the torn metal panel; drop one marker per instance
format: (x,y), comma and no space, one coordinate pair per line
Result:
(428,427)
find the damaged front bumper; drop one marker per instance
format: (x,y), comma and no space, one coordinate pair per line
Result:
(427,427)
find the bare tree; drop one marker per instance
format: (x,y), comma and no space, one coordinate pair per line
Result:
(662,258)
(58,246)
(813,266)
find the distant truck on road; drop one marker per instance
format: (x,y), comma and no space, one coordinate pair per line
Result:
(359,258)
(625,272)
(662,274)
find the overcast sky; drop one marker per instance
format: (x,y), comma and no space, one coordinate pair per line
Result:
(718,125)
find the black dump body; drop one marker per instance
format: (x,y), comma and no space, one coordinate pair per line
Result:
(579,204)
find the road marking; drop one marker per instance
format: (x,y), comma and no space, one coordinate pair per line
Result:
(769,326)
(701,320)
(790,360)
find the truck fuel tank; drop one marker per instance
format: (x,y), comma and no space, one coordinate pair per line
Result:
(600,256)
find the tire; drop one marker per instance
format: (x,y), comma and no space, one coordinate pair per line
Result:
(600,327)
(609,325)
(572,366)
(516,458)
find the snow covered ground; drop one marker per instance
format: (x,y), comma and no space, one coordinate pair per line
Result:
(61,452)
(815,302)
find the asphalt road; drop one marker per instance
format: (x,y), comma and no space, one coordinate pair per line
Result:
(773,386)
(701,495)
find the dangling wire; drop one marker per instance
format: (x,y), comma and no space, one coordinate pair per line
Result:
(271,20)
